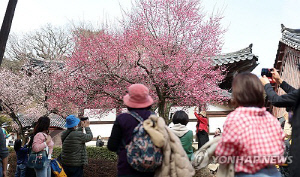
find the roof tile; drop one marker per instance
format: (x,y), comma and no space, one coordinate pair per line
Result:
(241,55)
(290,37)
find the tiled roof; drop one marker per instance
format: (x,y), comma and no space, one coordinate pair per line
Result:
(234,63)
(43,65)
(26,121)
(234,57)
(290,37)
(55,121)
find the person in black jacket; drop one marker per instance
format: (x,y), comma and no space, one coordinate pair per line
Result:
(294,149)
(287,100)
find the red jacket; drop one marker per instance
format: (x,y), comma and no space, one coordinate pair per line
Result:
(202,123)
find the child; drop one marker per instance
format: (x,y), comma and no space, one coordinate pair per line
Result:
(251,134)
(180,119)
(22,158)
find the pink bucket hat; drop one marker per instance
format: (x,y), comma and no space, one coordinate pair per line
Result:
(138,96)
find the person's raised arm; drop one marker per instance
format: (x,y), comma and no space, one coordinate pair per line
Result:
(286,100)
(284,85)
(276,76)
(88,136)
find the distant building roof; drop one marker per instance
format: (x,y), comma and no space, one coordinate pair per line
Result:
(43,65)
(55,121)
(235,62)
(290,37)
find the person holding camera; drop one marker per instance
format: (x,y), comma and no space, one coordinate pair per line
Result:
(22,157)
(201,127)
(74,155)
(287,100)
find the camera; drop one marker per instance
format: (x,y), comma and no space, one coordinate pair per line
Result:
(266,72)
(84,118)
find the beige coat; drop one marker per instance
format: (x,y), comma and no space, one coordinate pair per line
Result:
(204,156)
(287,126)
(175,161)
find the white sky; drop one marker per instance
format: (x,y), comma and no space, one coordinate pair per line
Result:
(247,21)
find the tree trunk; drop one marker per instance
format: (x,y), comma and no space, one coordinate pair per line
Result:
(6,25)
(118,110)
(164,110)
(20,130)
(80,112)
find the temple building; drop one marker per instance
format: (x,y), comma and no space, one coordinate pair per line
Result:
(286,62)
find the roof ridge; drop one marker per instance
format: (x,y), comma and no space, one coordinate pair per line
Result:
(290,37)
(283,28)
(244,50)
(234,57)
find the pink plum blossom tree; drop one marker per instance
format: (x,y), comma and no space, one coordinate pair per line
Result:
(14,95)
(164,44)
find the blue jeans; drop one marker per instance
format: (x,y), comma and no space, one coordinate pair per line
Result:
(270,171)
(20,170)
(44,172)
(1,174)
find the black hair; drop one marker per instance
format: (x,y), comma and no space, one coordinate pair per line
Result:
(220,129)
(180,117)
(148,108)
(42,124)
(31,140)
(17,145)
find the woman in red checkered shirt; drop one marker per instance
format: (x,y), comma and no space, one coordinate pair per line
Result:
(252,138)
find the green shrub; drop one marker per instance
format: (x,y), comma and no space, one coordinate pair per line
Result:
(56,152)
(101,153)
(93,152)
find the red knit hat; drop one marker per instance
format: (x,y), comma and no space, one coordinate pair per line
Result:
(138,96)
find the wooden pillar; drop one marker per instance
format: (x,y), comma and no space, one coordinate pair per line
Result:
(6,25)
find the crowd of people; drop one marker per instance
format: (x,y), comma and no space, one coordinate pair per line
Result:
(72,158)
(253,142)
